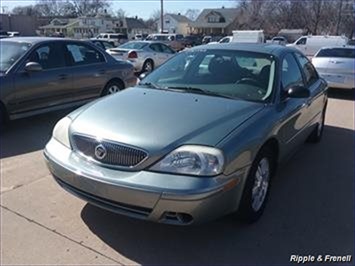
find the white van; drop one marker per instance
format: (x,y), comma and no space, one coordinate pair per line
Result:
(248,36)
(309,45)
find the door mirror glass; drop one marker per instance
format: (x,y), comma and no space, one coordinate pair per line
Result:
(298,92)
(33,67)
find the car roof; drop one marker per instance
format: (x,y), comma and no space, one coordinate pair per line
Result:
(334,46)
(266,48)
(34,40)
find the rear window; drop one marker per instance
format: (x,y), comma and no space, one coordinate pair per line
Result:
(337,52)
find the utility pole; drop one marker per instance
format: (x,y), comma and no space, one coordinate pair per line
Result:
(161,17)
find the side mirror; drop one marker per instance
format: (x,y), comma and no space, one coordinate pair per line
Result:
(298,92)
(33,67)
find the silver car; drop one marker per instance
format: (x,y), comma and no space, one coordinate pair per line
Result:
(144,55)
(337,66)
(198,138)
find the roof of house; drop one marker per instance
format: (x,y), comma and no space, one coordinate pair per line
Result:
(179,18)
(229,14)
(133,23)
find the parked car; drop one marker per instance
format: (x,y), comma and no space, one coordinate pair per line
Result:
(102,44)
(337,66)
(226,39)
(175,41)
(207,39)
(144,55)
(41,74)
(279,40)
(115,38)
(198,138)
(309,45)
(248,36)
(192,40)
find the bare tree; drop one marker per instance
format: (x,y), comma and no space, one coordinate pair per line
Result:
(89,7)
(192,14)
(29,10)
(121,14)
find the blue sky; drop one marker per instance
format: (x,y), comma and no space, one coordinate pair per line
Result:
(144,8)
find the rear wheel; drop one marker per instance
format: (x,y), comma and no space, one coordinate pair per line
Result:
(317,133)
(112,87)
(148,66)
(257,186)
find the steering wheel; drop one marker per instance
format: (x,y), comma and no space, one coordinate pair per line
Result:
(253,90)
(250,81)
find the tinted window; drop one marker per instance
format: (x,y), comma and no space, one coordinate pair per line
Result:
(308,69)
(302,41)
(83,55)
(48,56)
(155,47)
(337,52)
(166,49)
(291,73)
(108,45)
(134,45)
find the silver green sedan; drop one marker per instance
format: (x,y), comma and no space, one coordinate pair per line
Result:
(199,138)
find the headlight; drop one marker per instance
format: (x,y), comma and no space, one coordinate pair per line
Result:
(192,160)
(61,131)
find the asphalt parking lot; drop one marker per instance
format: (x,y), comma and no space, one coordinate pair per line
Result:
(310,211)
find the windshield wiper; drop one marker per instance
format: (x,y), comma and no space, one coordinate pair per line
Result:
(200,91)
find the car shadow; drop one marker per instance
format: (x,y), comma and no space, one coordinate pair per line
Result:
(28,134)
(310,211)
(342,94)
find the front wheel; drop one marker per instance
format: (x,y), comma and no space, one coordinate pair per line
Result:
(112,87)
(148,66)
(257,186)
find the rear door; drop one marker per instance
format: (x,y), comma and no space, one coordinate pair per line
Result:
(89,69)
(49,87)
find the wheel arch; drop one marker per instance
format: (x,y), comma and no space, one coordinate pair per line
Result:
(115,79)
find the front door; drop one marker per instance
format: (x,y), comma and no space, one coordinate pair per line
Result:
(46,88)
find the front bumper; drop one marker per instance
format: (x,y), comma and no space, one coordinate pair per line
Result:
(158,197)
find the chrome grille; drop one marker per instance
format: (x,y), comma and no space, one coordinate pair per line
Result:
(116,154)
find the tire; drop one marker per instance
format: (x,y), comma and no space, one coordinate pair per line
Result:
(148,66)
(317,133)
(112,87)
(257,186)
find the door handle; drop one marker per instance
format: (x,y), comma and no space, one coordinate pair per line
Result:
(101,72)
(63,76)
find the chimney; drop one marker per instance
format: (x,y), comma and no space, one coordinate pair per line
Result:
(179,14)
(222,7)
(136,17)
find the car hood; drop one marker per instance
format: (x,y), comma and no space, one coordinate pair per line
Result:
(157,120)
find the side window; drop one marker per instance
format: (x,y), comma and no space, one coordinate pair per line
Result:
(291,74)
(302,41)
(46,56)
(155,47)
(82,54)
(166,49)
(308,69)
(108,45)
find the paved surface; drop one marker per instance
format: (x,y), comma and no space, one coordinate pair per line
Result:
(311,209)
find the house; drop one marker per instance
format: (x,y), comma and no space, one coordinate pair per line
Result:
(174,23)
(221,21)
(130,26)
(82,27)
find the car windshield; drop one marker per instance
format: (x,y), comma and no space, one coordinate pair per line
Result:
(10,52)
(233,74)
(134,45)
(337,52)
